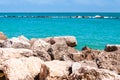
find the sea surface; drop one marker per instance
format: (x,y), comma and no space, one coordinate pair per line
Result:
(92,32)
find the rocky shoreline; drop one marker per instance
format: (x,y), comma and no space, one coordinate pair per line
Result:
(55,58)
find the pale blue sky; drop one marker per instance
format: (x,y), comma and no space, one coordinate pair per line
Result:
(59,5)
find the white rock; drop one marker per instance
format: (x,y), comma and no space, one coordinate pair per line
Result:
(16,43)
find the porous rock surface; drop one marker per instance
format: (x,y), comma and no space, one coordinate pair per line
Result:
(55,58)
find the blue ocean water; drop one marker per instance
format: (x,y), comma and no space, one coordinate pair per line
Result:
(95,33)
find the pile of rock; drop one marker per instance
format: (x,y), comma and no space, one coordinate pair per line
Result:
(55,58)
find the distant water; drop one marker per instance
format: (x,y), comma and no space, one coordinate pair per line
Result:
(95,33)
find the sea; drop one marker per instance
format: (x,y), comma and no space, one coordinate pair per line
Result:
(94,30)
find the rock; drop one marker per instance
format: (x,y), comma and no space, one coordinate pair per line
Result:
(76,56)
(91,55)
(21,59)
(77,65)
(40,44)
(8,53)
(58,50)
(16,43)
(69,40)
(61,50)
(109,60)
(86,48)
(59,70)
(2,36)
(110,48)
(50,40)
(59,47)
(86,72)
(23,38)
(24,69)
(53,40)
(41,47)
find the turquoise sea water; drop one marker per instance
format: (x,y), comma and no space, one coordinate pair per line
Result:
(95,33)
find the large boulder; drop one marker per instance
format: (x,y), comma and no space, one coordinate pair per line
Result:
(59,70)
(69,40)
(25,69)
(23,38)
(2,36)
(110,48)
(8,53)
(82,71)
(40,45)
(84,63)
(41,48)
(59,50)
(90,54)
(17,43)
(109,60)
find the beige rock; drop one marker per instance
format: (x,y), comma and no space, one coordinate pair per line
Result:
(2,36)
(109,60)
(77,65)
(59,50)
(49,40)
(23,38)
(76,56)
(59,70)
(69,40)
(87,72)
(40,44)
(8,53)
(24,69)
(91,55)
(41,47)
(17,63)
(16,43)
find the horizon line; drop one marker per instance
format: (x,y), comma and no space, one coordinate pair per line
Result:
(55,12)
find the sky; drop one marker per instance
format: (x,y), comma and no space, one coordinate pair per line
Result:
(59,5)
